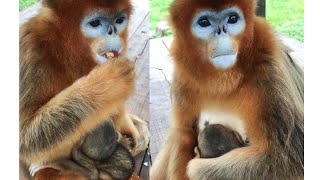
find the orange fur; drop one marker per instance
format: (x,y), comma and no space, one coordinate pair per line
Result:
(260,89)
(63,93)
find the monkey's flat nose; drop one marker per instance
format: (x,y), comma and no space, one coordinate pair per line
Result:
(221,29)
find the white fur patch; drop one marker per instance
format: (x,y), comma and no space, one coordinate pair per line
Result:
(101,59)
(227,119)
(224,61)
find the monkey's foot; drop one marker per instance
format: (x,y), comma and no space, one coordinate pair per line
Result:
(53,174)
(143,140)
(35,168)
(64,169)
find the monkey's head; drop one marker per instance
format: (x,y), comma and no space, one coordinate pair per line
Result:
(211,33)
(99,25)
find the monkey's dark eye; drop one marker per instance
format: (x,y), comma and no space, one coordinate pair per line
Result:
(233,18)
(204,22)
(120,20)
(95,23)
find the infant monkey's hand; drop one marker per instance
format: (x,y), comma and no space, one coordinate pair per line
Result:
(216,140)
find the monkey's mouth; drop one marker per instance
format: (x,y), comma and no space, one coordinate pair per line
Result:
(224,61)
(105,56)
(111,54)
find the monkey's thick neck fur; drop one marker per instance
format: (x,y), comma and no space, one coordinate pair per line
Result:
(264,88)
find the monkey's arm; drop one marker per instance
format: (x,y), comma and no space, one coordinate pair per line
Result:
(278,152)
(51,131)
(174,155)
(279,161)
(178,149)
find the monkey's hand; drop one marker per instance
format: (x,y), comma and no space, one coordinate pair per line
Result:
(177,151)
(76,110)
(141,142)
(114,80)
(135,131)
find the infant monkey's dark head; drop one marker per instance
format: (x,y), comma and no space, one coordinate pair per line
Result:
(216,140)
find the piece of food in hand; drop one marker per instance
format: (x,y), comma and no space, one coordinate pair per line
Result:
(111,54)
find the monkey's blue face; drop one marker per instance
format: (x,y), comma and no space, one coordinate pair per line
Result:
(106,31)
(220,29)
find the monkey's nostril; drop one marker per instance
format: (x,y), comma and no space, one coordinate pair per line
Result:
(219,31)
(110,32)
(115,30)
(224,29)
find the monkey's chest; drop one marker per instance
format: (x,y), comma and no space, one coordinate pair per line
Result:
(226,118)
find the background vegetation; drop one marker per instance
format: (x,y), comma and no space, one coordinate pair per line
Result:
(23,4)
(286,16)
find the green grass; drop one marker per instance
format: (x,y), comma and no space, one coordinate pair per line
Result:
(285,16)
(159,11)
(23,4)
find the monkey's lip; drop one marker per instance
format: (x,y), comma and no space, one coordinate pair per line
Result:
(110,54)
(103,57)
(224,61)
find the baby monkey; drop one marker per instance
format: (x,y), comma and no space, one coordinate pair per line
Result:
(105,153)
(102,154)
(215,140)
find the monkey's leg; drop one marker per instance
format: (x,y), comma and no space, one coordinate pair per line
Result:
(178,148)
(176,151)
(52,132)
